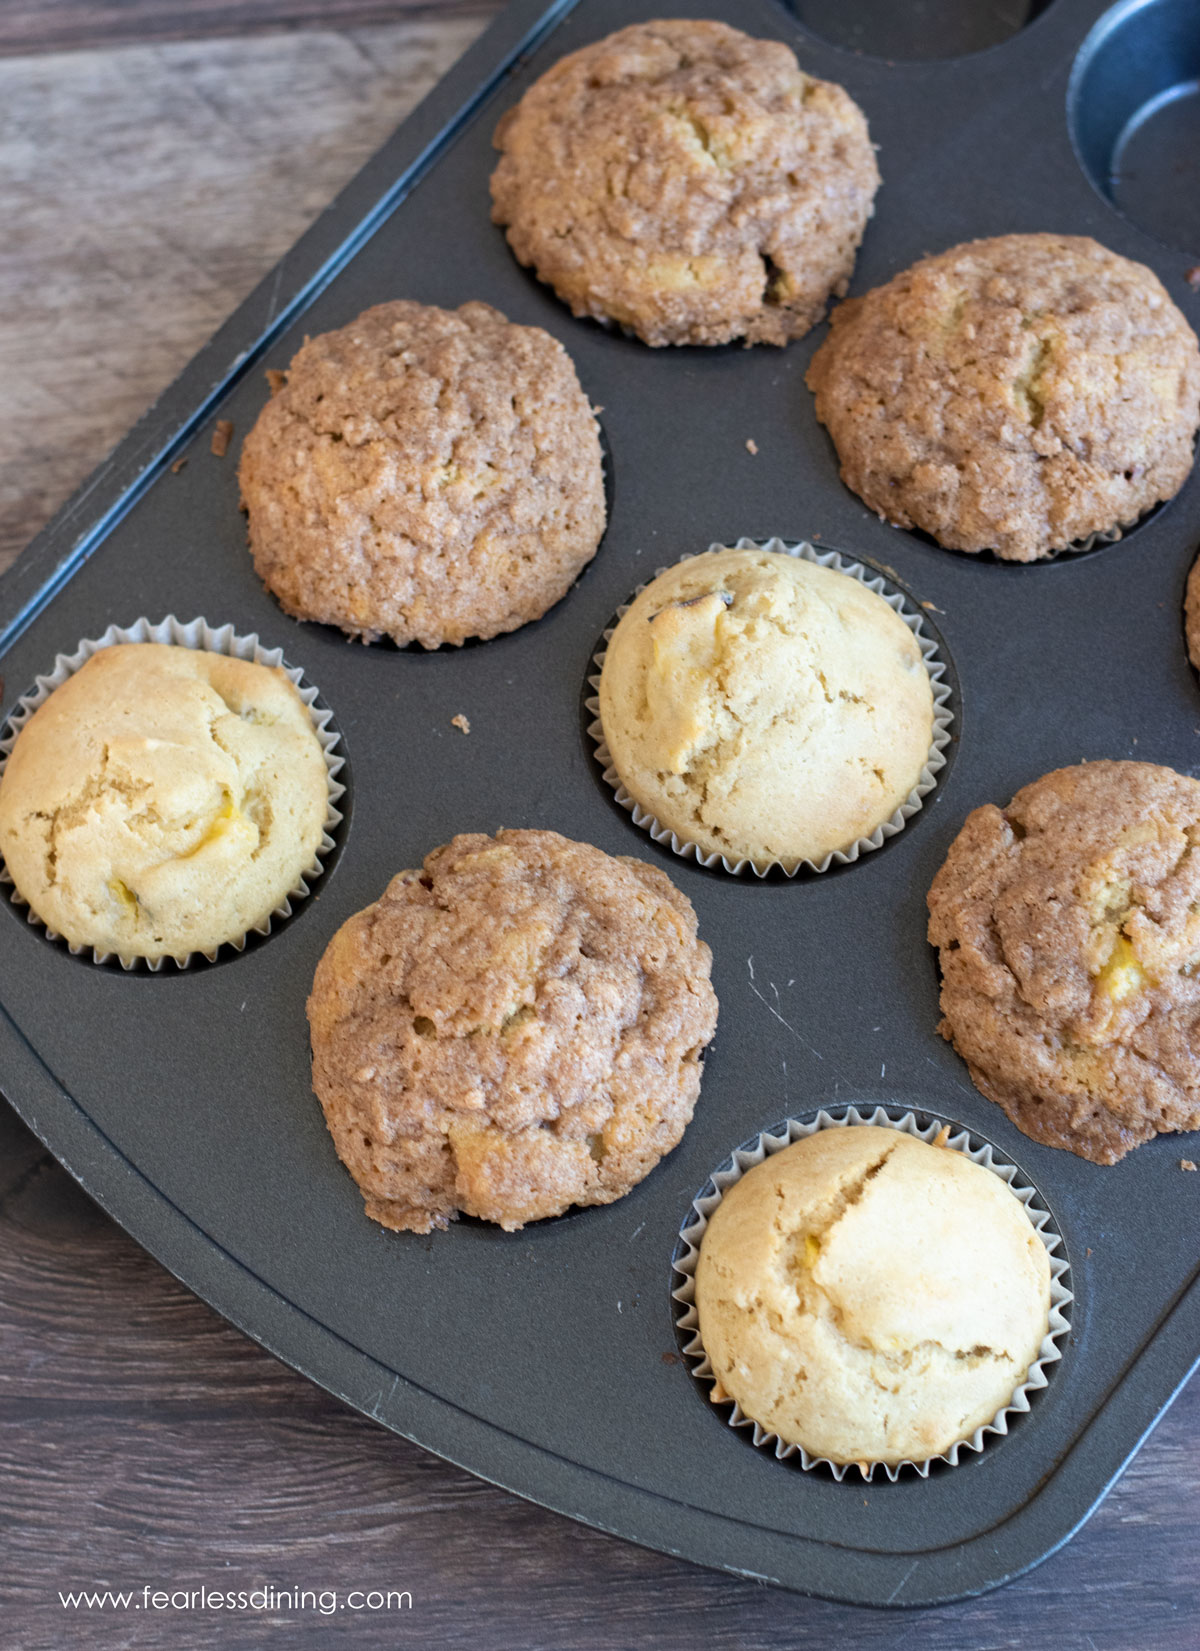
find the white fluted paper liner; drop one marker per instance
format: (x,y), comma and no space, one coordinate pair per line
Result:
(960,1141)
(198,634)
(943,718)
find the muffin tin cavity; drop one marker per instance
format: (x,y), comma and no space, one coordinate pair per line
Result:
(925,1127)
(200,636)
(1134,110)
(943,680)
(919,30)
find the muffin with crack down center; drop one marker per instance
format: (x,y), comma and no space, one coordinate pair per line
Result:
(870,1297)
(515,1029)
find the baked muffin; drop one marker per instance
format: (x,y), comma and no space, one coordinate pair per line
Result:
(163,800)
(1191,614)
(869,1297)
(765,708)
(688,182)
(1014,395)
(513,1030)
(1068,929)
(425,474)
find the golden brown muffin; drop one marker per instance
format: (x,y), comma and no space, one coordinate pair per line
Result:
(515,1029)
(163,800)
(870,1297)
(688,182)
(1014,395)
(425,474)
(765,708)
(1068,929)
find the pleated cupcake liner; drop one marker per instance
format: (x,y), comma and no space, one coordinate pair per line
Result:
(943,719)
(200,635)
(957,1139)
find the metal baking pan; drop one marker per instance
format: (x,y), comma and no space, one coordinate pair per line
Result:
(546,1360)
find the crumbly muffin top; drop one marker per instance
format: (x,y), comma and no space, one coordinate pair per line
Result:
(425,474)
(870,1297)
(764,707)
(163,800)
(515,1029)
(688,182)
(1068,926)
(1014,395)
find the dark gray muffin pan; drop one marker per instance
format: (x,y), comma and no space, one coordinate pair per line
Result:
(546,1360)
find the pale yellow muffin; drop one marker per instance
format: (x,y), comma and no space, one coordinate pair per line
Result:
(163,800)
(765,708)
(869,1297)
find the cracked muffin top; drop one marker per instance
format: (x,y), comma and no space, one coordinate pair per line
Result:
(425,474)
(163,800)
(515,1029)
(1068,929)
(765,708)
(1014,395)
(688,182)
(870,1297)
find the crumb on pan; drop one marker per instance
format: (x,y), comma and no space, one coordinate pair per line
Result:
(461,722)
(221,437)
(751,446)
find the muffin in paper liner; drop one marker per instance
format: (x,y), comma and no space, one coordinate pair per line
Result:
(943,718)
(200,635)
(956,1138)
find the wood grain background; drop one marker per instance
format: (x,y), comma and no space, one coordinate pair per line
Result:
(144,189)
(55,25)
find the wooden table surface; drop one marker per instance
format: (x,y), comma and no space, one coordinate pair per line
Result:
(150,173)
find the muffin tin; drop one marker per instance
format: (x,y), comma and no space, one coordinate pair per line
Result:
(546,1360)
